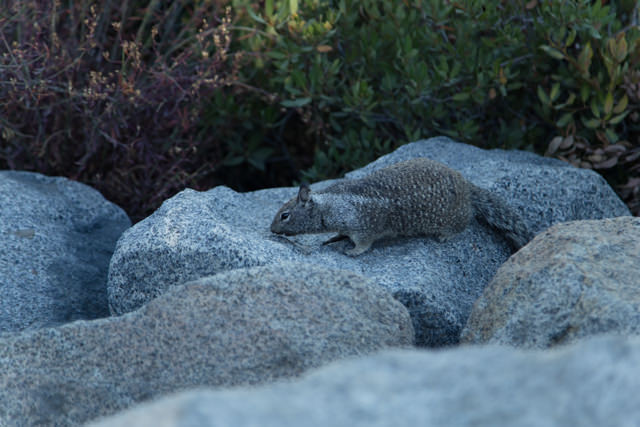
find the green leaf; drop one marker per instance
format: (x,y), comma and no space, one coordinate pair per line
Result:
(268,8)
(553,145)
(593,32)
(611,46)
(571,37)
(461,96)
(276,55)
(295,103)
(298,78)
(621,48)
(611,135)
(591,123)
(259,157)
(555,91)
(569,101)
(455,70)
(594,108)
(282,17)
(255,17)
(585,90)
(584,59)
(233,161)
(622,105)
(608,103)
(554,53)
(514,85)
(543,96)
(564,120)
(293,6)
(617,119)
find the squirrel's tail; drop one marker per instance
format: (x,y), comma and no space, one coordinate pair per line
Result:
(493,211)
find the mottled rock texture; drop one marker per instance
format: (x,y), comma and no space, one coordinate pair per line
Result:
(574,280)
(56,240)
(591,384)
(247,326)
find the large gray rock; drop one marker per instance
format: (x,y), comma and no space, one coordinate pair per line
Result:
(574,280)
(197,234)
(595,383)
(242,327)
(56,239)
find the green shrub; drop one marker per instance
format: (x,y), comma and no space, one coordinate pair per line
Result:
(366,76)
(357,78)
(590,93)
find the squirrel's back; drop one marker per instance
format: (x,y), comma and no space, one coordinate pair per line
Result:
(414,197)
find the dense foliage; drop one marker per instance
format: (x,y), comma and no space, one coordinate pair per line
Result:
(142,98)
(112,95)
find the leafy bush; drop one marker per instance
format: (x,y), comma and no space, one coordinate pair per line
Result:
(591,96)
(357,78)
(366,76)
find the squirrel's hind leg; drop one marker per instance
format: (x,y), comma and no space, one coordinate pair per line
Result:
(361,244)
(335,238)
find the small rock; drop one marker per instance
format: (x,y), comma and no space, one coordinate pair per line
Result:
(574,280)
(57,237)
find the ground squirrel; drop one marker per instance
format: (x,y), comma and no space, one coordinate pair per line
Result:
(410,198)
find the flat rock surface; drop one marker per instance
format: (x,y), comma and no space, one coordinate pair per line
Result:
(593,383)
(247,326)
(574,280)
(57,237)
(196,234)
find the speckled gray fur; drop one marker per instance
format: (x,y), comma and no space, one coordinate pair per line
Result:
(410,198)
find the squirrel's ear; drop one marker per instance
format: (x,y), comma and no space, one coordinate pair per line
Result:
(304,194)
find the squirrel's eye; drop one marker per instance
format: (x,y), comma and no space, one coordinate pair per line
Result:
(284,216)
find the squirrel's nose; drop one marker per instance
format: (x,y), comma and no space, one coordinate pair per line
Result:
(274,228)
